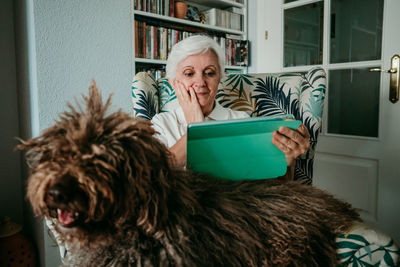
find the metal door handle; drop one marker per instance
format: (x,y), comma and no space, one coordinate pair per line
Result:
(394,78)
(381,70)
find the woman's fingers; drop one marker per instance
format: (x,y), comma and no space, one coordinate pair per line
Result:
(279,144)
(292,143)
(181,91)
(304,131)
(193,96)
(188,101)
(295,138)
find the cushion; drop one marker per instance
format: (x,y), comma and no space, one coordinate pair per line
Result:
(366,246)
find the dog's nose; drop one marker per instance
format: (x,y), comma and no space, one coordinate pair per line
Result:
(57,194)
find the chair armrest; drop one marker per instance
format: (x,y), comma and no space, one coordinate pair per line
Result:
(363,245)
(145,96)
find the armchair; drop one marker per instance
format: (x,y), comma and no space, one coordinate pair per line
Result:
(300,94)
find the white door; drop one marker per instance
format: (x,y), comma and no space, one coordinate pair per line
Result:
(358,151)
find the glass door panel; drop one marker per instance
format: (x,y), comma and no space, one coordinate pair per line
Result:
(356,30)
(353,102)
(303,28)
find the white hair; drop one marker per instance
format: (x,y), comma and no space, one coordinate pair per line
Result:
(193,45)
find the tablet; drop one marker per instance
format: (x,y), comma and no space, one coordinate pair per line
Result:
(239,149)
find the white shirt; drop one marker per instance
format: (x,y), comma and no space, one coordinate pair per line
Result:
(172,125)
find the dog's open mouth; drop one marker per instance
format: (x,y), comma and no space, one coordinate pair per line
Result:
(67,218)
(66,202)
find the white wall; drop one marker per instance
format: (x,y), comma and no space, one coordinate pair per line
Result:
(61,46)
(266,55)
(77,41)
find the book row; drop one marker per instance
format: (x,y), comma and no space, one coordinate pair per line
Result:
(224,18)
(230,18)
(155,42)
(161,7)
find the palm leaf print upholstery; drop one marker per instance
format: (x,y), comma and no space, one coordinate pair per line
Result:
(299,94)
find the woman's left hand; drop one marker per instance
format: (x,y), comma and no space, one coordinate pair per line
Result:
(292,143)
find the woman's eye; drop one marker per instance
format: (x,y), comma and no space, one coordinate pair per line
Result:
(210,74)
(188,74)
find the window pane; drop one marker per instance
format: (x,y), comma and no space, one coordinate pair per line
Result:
(303,35)
(289,1)
(356,30)
(353,102)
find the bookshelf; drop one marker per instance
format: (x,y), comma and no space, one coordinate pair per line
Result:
(156,31)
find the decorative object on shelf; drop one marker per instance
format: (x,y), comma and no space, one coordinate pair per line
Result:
(194,14)
(16,249)
(181,9)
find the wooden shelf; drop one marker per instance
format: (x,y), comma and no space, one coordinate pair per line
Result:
(235,67)
(163,62)
(187,22)
(218,3)
(150,61)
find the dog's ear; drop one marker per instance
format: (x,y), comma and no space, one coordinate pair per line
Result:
(38,149)
(32,155)
(71,126)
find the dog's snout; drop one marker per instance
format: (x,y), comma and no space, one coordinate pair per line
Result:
(58,194)
(61,190)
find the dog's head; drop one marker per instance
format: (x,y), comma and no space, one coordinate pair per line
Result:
(96,169)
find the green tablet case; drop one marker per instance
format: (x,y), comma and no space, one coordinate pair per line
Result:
(238,149)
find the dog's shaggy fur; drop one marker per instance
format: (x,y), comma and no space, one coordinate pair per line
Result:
(119,201)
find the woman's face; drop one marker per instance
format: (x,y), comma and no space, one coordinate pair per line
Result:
(201,72)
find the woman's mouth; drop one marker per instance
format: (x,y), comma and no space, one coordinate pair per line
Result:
(202,93)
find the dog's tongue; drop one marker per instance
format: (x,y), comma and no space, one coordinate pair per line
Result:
(65,217)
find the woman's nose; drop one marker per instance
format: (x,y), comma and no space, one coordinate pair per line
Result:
(199,81)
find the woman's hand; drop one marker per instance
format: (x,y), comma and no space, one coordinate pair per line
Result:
(179,151)
(292,143)
(188,101)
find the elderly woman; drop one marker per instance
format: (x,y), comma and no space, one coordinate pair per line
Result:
(194,69)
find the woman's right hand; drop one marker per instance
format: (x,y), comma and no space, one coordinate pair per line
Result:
(188,101)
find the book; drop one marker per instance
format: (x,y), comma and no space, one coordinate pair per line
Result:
(238,149)
(224,18)
(235,10)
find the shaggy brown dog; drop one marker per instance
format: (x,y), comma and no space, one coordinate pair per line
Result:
(119,201)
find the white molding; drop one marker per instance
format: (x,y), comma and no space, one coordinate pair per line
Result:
(299,68)
(150,61)
(299,3)
(353,65)
(325,61)
(163,62)
(353,179)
